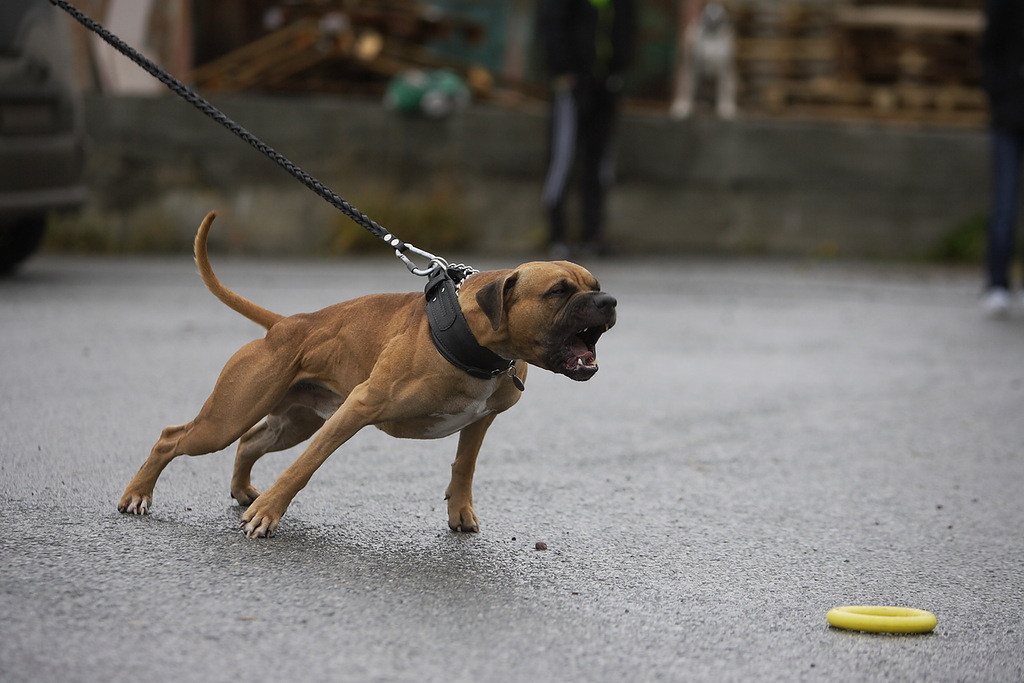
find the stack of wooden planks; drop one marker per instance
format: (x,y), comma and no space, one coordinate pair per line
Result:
(317,47)
(891,60)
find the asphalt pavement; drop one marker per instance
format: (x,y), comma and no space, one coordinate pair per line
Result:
(765,440)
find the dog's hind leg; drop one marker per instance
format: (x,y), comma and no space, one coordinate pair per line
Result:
(249,386)
(276,433)
(363,406)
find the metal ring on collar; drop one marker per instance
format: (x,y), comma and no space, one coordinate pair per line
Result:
(436,262)
(880,619)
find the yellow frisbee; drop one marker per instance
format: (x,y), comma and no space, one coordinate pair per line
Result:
(877,619)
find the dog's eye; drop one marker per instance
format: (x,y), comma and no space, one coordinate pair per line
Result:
(561,289)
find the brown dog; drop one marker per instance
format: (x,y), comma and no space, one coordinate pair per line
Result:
(371,361)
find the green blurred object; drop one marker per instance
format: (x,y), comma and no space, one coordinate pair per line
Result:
(436,93)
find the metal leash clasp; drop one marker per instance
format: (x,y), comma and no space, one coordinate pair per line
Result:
(436,262)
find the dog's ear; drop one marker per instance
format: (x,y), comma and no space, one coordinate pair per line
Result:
(492,296)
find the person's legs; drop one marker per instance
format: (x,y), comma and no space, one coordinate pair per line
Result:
(560,163)
(597,133)
(1007,147)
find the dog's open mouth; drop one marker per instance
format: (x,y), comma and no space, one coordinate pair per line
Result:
(579,356)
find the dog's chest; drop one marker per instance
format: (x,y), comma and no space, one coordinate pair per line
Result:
(713,48)
(442,415)
(445,423)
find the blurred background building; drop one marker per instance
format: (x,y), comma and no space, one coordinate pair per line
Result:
(905,60)
(860,128)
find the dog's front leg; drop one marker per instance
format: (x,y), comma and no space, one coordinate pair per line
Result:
(461,516)
(263,515)
(686,79)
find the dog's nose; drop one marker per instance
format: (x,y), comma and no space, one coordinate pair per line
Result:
(604,302)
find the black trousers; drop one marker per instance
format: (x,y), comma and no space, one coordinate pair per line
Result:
(583,123)
(1007,152)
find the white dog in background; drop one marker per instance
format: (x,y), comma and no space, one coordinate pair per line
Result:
(709,52)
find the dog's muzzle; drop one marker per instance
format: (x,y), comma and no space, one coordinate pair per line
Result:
(576,357)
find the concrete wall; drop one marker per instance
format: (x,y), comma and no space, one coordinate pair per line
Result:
(157,166)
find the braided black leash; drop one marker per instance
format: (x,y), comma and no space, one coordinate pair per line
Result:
(448,327)
(211,111)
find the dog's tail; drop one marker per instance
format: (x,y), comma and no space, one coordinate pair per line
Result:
(253,312)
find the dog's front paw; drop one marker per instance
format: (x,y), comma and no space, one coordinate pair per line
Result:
(461,516)
(261,518)
(135,503)
(680,109)
(463,520)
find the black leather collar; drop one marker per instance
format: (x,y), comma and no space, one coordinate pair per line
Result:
(451,334)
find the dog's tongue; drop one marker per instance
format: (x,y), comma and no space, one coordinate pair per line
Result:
(579,351)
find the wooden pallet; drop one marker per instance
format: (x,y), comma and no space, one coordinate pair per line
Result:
(781,50)
(271,59)
(896,44)
(912,20)
(931,4)
(787,41)
(891,61)
(333,52)
(956,104)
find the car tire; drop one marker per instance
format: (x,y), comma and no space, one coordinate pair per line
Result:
(18,240)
